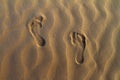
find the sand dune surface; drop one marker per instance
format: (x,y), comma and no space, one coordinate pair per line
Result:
(59,39)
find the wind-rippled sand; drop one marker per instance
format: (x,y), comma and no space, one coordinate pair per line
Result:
(59,39)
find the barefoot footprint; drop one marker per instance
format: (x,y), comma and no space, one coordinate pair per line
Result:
(78,40)
(34,27)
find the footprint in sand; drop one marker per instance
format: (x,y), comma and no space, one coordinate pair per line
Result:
(34,27)
(78,41)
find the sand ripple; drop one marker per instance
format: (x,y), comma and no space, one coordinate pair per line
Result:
(97,20)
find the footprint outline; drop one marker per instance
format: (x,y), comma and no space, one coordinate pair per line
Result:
(34,26)
(78,40)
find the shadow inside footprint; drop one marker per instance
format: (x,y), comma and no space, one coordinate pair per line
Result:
(34,27)
(40,41)
(78,40)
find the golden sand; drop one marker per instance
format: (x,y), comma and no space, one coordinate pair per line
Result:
(59,39)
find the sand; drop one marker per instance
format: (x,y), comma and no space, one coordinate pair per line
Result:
(59,39)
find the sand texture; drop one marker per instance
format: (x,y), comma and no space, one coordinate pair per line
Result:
(59,39)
